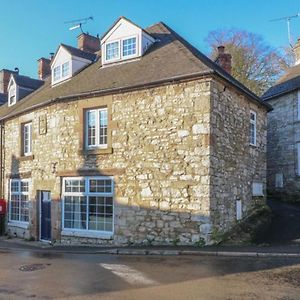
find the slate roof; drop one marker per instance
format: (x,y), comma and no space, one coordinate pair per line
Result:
(3,98)
(27,82)
(167,60)
(289,82)
(79,53)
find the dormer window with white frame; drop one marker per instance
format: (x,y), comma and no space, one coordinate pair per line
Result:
(68,61)
(12,95)
(124,40)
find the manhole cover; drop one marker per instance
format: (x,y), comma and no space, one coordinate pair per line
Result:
(32,267)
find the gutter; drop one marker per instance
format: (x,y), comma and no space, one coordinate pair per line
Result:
(180,78)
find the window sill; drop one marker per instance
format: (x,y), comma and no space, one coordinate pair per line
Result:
(87,234)
(96,151)
(26,157)
(23,225)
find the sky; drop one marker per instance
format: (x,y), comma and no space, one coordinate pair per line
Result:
(30,29)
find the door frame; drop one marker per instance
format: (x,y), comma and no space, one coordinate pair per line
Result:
(40,215)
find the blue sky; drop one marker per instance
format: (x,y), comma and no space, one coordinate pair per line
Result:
(30,29)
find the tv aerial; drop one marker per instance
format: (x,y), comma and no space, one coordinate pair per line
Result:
(75,24)
(288,23)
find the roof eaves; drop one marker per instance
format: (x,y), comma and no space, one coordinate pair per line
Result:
(110,91)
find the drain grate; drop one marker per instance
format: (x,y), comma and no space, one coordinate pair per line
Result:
(32,267)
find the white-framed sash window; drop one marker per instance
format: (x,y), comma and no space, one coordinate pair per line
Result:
(27,138)
(253,128)
(96,128)
(19,200)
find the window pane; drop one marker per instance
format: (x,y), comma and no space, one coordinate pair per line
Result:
(65,69)
(74,186)
(129,47)
(103,127)
(27,138)
(24,214)
(99,214)
(75,212)
(56,73)
(14,186)
(24,186)
(112,50)
(14,207)
(91,128)
(100,186)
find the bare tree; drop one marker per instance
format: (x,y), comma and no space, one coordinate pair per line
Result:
(254,63)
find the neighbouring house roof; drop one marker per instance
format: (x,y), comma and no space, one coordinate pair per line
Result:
(3,98)
(169,59)
(79,53)
(27,82)
(289,82)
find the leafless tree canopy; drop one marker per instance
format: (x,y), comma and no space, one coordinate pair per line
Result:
(254,63)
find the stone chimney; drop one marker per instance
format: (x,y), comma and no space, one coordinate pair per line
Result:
(88,43)
(44,68)
(224,59)
(296,50)
(4,80)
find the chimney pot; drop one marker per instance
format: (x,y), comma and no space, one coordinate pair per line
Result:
(88,43)
(224,59)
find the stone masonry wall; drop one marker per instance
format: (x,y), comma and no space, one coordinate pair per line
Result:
(235,165)
(158,156)
(283,136)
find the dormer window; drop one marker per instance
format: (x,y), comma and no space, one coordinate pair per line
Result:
(65,69)
(68,61)
(56,73)
(113,51)
(129,46)
(12,96)
(123,41)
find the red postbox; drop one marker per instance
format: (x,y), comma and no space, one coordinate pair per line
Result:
(2,207)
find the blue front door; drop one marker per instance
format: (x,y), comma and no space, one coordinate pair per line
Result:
(45,204)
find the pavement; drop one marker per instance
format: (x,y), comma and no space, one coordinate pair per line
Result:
(282,240)
(15,244)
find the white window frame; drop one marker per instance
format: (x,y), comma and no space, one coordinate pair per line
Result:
(97,128)
(19,223)
(59,74)
(12,94)
(136,47)
(120,42)
(29,151)
(87,232)
(119,49)
(68,69)
(253,122)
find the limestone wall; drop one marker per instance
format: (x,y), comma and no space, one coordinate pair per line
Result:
(235,165)
(158,155)
(283,136)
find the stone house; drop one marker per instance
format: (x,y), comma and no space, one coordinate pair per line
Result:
(139,139)
(283,147)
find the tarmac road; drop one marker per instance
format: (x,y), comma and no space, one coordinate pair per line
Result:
(29,274)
